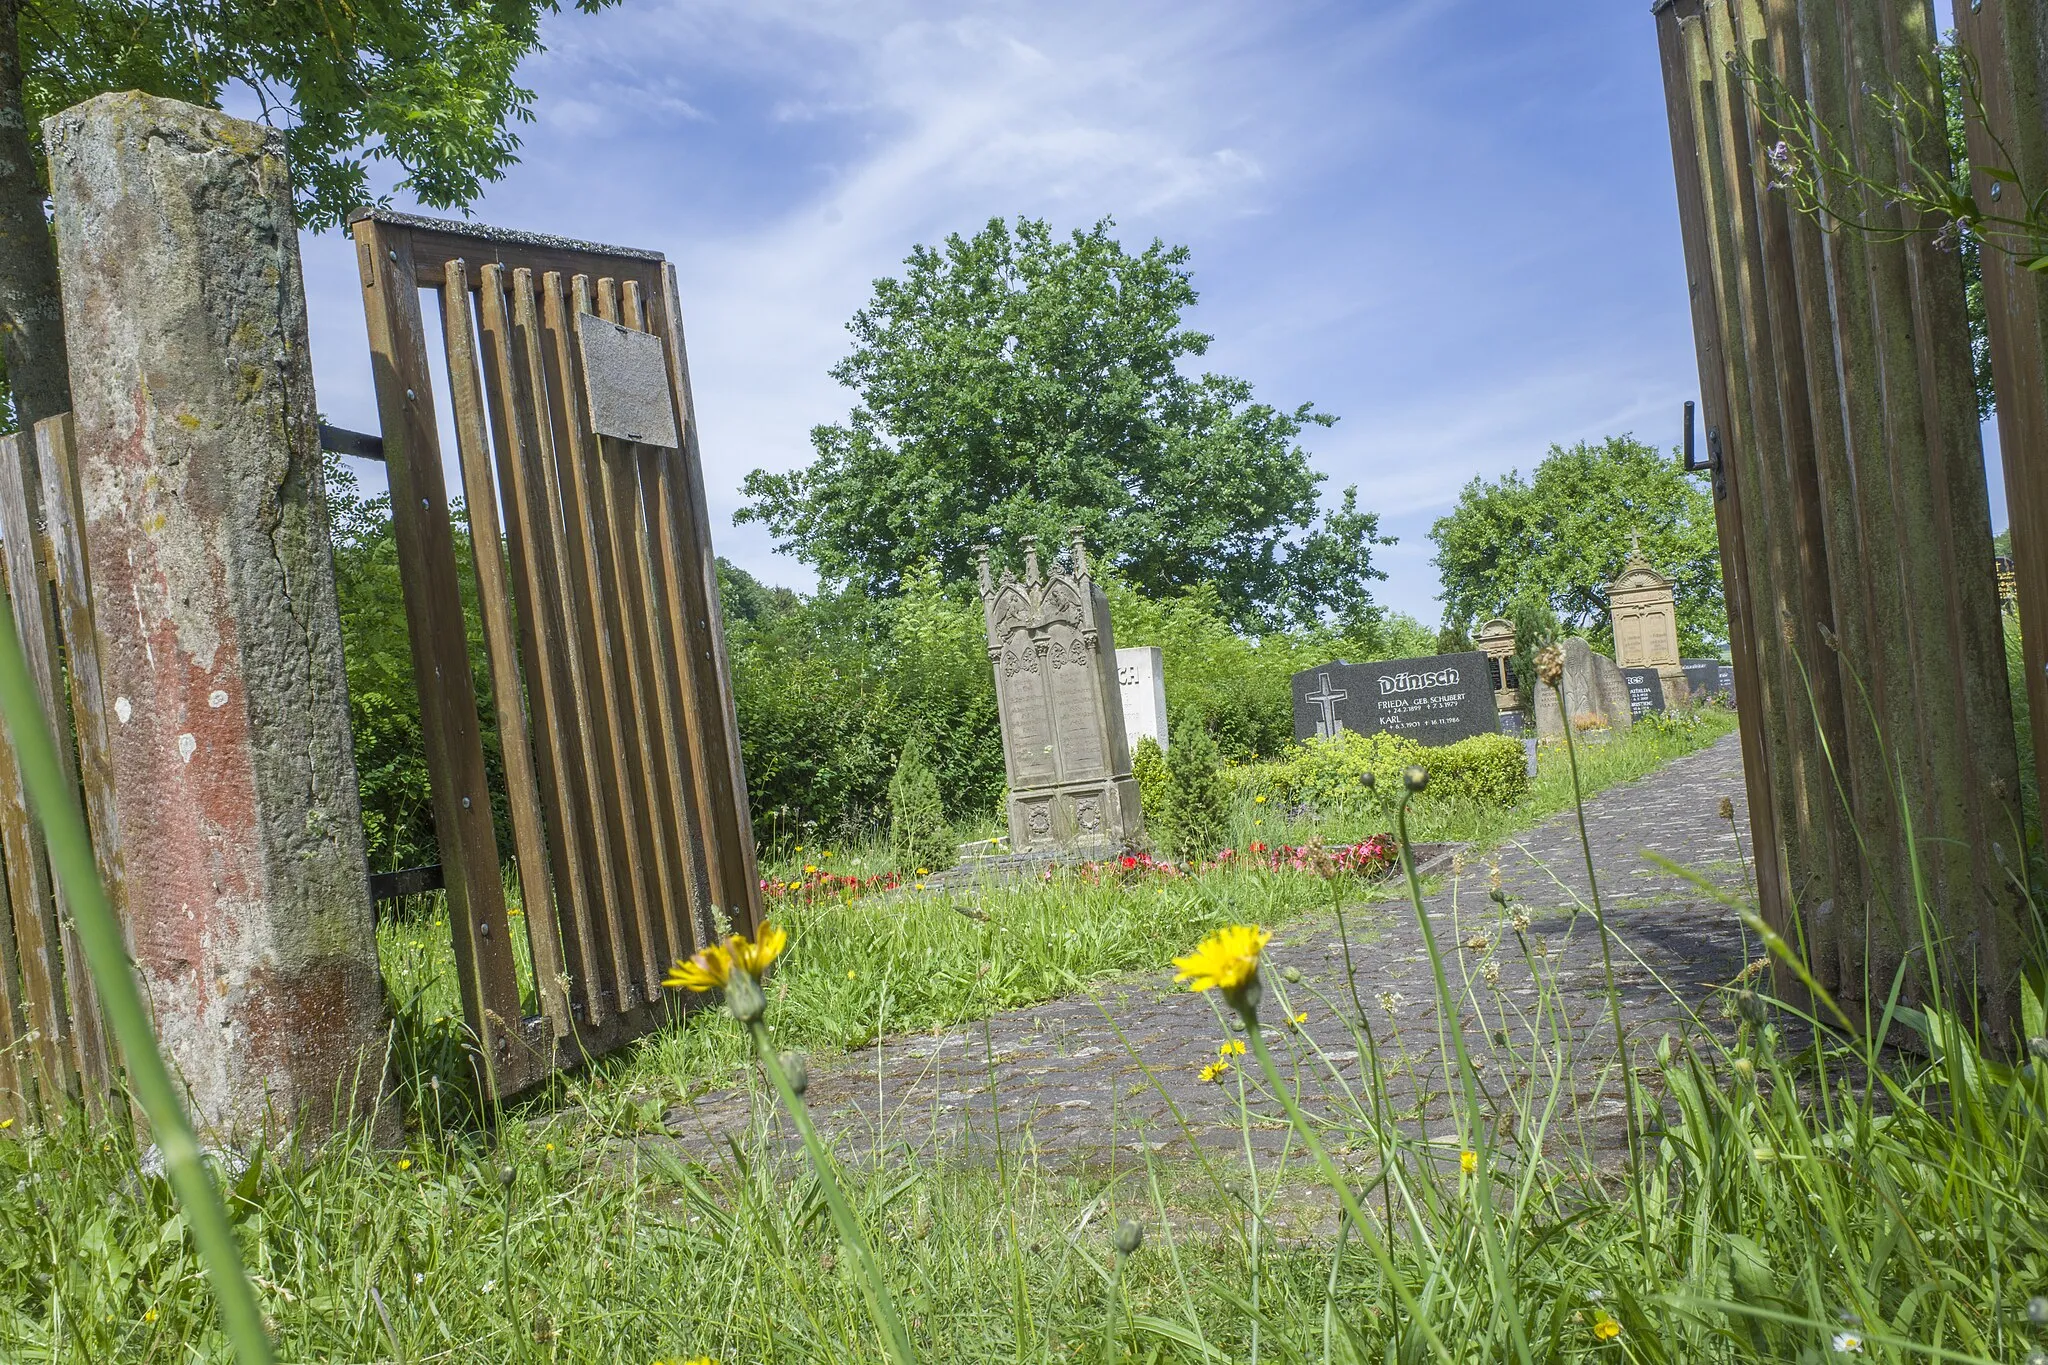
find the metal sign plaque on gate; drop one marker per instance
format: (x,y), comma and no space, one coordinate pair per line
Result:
(625,379)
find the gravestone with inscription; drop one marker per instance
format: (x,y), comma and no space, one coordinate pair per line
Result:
(1141,681)
(1064,747)
(1439,699)
(1645,691)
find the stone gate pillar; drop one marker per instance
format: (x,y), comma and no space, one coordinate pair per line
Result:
(206,540)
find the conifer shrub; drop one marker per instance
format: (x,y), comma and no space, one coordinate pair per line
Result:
(919,838)
(1195,808)
(1148,766)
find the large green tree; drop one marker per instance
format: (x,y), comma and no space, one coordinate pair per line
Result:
(1016,382)
(426,85)
(1562,535)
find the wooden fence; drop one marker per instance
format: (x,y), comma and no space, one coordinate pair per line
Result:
(1837,390)
(54,1046)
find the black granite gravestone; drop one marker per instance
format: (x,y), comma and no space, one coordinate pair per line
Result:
(1436,700)
(1645,691)
(1709,678)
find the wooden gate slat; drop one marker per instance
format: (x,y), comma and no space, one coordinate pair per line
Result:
(695,921)
(712,722)
(17,1063)
(439,638)
(494,597)
(515,427)
(625,914)
(632,556)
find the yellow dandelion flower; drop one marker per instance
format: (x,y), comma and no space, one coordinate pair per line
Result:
(1259,800)
(810,869)
(1301,1018)
(1214,1071)
(849,973)
(1468,1162)
(712,967)
(920,886)
(799,848)
(549,1147)
(924,872)
(149,1315)
(1231,1048)
(5,1124)
(1225,960)
(1605,1328)
(826,854)
(405,1163)
(796,886)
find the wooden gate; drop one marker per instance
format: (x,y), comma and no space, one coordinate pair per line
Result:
(599,596)
(1835,376)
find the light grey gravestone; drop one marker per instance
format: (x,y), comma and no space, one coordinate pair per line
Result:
(1069,762)
(1645,691)
(1141,681)
(1438,699)
(1593,688)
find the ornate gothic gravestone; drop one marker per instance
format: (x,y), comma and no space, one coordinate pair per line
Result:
(1435,700)
(1645,691)
(1054,652)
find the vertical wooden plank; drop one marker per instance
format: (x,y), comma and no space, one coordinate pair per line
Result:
(494,598)
(543,646)
(21,516)
(713,724)
(1680,95)
(644,670)
(17,1064)
(627,913)
(434,625)
(2005,41)
(696,923)
(63,520)
(33,904)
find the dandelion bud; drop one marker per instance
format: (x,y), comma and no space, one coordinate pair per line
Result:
(2037,1311)
(1550,664)
(1745,1068)
(797,1069)
(506,1175)
(1130,1235)
(1292,975)
(1414,778)
(745,998)
(1750,1007)
(1366,780)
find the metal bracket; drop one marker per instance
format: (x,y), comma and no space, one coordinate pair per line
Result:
(1712,464)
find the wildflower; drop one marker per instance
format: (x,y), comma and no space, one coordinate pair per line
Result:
(810,869)
(796,886)
(716,965)
(5,1124)
(850,973)
(1550,664)
(2037,1311)
(1214,1071)
(149,1315)
(1259,800)
(1605,1328)
(920,886)
(1847,1343)
(487,1286)
(1727,809)
(1233,1047)
(1468,1161)
(924,872)
(1491,971)
(405,1163)
(1227,960)
(1520,922)
(826,854)
(799,848)
(549,1148)
(1130,1235)
(1299,1019)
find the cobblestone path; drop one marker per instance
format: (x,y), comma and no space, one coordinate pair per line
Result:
(1117,1067)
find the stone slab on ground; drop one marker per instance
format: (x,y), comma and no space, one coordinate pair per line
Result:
(1115,1069)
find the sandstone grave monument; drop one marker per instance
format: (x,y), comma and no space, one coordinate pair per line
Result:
(1064,748)
(1594,688)
(1644,613)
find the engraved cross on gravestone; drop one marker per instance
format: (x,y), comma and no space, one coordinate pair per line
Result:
(1327,697)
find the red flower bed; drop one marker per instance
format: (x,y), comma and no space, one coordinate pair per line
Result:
(1367,858)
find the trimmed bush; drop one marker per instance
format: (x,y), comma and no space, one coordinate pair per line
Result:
(918,835)
(1324,773)
(1195,809)
(1489,769)
(1148,765)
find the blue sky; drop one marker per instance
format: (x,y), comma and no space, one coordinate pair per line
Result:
(1449,222)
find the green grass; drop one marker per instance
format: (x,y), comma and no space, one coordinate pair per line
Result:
(1792,1200)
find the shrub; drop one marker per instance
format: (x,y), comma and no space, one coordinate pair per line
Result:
(1195,810)
(1324,773)
(1148,765)
(918,835)
(1489,769)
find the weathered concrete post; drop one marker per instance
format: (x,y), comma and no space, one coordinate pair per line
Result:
(206,538)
